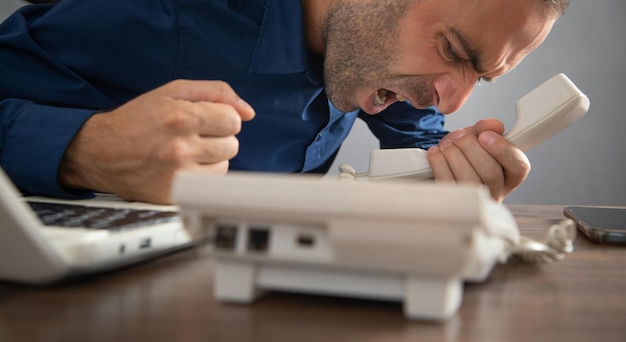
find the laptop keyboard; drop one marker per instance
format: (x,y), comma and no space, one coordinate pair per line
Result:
(81,216)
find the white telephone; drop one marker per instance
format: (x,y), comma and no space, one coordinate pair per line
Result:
(415,243)
(542,113)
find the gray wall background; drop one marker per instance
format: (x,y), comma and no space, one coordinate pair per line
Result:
(583,164)
(8,6)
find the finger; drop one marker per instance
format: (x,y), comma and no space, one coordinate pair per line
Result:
(486,167)
(514,162)
(459,155)
(217,119)
(439,165)
(209,91)
(204,118)
(491,124)
(211,150)
(218,168)
(214,150)
(492,175)
(448,137)
(197,150)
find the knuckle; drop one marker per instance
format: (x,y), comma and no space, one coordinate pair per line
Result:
(233,123)
(435,157)
(492,176)
(223,148)
(521,166)
(177,84)
(222,86)
(221,168)
(524,170)
(525,167)
(230,147)
(175,152)
(465,141)
(176,120)
(220,119)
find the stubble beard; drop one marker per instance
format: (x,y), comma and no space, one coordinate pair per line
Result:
(361,48)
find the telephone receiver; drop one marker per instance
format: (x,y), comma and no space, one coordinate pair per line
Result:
(542,113)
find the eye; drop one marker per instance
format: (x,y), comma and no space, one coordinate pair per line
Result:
(450,53)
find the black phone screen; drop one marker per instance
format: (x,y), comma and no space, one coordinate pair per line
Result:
(600,224)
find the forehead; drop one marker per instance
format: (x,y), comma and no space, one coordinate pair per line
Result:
(502,32)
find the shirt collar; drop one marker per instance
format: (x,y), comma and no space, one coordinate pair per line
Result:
(280,46)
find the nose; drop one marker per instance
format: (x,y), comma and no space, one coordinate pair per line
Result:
(452,92)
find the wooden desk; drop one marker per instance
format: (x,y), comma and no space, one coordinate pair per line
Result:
(582,298)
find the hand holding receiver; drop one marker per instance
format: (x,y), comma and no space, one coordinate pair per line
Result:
(542,113)
(135,150)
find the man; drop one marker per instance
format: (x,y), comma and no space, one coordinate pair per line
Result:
(98,95)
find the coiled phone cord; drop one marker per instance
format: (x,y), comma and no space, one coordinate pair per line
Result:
(558,242)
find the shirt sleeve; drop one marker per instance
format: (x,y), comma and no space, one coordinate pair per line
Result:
(402,126)
(36,124)
(60,64)
(33,139)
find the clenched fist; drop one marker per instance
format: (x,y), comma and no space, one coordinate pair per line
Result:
(135,150)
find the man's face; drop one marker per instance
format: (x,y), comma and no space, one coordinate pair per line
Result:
(430,52)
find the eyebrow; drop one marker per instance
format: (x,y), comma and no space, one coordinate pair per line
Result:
(470,51)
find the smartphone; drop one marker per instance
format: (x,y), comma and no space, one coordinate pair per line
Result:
(600,224)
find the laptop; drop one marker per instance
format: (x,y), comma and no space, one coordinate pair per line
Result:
(44,240)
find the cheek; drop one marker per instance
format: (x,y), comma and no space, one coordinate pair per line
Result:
(420,59)
(417,45)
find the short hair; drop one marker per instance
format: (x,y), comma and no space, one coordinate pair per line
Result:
(556,7)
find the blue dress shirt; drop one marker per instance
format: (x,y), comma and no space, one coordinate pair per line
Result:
(60,64)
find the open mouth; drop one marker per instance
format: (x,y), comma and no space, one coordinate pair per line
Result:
(381,97)
(380,100)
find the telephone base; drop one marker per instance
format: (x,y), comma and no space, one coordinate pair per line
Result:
(423,297)
(363,240)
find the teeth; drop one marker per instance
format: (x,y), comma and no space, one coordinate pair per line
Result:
(400,98)
(380,97)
